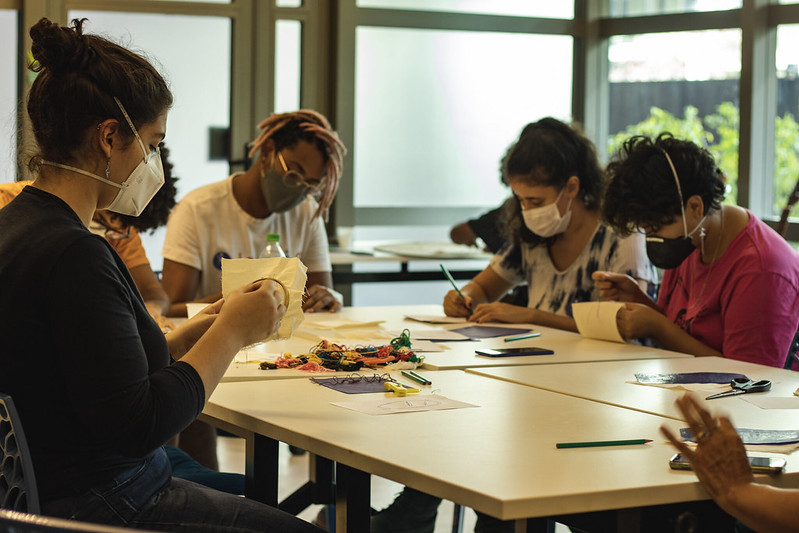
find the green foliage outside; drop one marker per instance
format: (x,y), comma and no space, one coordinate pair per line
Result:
(719,134)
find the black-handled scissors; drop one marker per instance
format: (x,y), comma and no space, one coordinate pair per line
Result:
(743,386)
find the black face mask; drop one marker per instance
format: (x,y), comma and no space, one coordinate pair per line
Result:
(668,253)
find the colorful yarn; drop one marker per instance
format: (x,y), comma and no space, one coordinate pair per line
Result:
(329,356)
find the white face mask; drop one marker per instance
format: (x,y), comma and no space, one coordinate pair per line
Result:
(546,221)
(142,184)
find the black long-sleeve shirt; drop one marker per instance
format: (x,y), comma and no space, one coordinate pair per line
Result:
(86,365)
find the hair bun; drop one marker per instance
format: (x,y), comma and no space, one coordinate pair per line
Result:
(59,49)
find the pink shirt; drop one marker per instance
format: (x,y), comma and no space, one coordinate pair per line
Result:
(745,304)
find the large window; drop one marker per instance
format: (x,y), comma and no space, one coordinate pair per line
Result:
(628,8)
(522,8)
(194,55)
(684,83)
(436,110)
(8,95)
(786,139)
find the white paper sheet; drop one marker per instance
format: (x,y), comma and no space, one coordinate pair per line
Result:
(192,308)
(597,320)
(389,404)
(772,402)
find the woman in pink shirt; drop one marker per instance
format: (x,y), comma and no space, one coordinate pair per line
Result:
(730,283)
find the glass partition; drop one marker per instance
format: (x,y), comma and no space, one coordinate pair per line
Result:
(435,111)
(631,8)
(561,9)
(8,95)
(288,56)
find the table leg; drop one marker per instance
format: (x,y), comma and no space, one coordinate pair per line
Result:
(353,495)
(261,469)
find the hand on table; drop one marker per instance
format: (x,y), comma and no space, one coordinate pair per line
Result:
(719,459)
(319,298)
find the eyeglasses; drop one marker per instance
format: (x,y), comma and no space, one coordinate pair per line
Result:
(292,178)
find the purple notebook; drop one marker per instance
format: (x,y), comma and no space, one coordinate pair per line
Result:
(485,332)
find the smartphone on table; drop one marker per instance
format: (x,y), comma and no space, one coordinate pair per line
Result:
(514,352)
(760,465)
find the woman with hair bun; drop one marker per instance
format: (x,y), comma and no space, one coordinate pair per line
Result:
(92,375)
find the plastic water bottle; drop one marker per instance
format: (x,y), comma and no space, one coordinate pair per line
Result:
(272,248)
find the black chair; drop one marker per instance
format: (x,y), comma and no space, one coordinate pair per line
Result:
(17,481)
(792,353)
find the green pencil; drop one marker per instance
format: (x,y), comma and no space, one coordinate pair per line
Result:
(452,280)
(601,443)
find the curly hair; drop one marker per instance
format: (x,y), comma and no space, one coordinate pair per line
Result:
(287,129)
(79,75)
(642,193)
(548,153)
(157,211)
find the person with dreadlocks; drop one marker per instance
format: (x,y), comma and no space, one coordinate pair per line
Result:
(286,191)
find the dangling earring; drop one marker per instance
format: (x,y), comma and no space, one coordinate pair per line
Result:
(263,174)
(108,169)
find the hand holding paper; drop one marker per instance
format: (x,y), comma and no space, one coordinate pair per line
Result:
(597,320)
(290,272)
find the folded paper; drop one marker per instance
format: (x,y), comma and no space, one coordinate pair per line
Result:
(597,320)
(289,274)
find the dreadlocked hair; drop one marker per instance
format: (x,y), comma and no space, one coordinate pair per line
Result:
(287,129)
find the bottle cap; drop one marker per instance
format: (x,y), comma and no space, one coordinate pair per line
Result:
(272,237)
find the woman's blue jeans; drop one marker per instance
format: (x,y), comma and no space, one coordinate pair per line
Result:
(147,497)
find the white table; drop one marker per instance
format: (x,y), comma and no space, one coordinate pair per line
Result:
(499,458)
(569,347)
(609,383)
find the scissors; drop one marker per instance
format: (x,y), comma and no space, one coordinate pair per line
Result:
(743,386)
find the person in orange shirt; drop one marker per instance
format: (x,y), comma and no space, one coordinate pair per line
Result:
(122,233)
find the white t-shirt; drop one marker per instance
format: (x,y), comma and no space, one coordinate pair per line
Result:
(555,290)
(209,224)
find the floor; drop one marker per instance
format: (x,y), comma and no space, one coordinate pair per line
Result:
(294,472)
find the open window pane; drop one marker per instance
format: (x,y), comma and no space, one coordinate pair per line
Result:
(562,9)
(8,95)
(436,110)
(685,83)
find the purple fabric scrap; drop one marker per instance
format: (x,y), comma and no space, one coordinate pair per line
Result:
(359,387)
(689,377)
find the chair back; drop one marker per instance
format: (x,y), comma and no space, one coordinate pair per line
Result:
(16,522)
(792,352)
(17,482)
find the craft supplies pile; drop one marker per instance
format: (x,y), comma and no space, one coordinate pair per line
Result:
(397,355)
